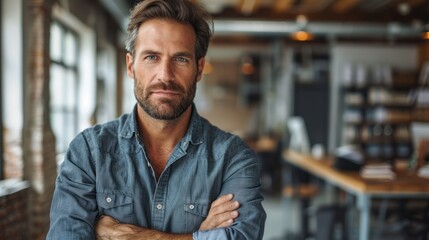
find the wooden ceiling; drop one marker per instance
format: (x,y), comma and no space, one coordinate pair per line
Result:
(411,13)
(404,11)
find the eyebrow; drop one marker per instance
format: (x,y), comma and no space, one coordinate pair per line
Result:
(183,54)
(149,52)
(178,54)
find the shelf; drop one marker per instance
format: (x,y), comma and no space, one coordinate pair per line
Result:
(372,123)
(377,114)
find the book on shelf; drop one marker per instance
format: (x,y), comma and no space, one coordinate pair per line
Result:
(381,171)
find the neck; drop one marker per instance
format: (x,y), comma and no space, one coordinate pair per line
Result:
(155,131)
(161,136)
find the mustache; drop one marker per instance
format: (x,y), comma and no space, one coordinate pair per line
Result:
(170,86)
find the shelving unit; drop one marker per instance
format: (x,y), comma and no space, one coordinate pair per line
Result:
(377,112)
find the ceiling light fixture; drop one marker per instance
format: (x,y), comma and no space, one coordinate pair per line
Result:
(302,34)
(247,67)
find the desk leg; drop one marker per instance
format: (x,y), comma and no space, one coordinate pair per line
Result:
(364,205)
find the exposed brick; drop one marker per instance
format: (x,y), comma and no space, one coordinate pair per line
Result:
(14,215)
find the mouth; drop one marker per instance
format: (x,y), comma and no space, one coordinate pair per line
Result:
(165,90)
(165,93)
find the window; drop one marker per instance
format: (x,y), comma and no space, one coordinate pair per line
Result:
(64,84)
(1,134)
(1,114)
(12,85)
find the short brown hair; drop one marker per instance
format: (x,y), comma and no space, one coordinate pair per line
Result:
(182,11)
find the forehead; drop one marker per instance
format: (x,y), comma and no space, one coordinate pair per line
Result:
(166,33)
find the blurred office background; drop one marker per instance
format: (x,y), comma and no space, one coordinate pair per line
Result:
(338,65)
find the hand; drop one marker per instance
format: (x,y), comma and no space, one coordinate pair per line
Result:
(222,213)
(105,228)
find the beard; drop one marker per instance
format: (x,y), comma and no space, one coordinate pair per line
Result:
(165,108)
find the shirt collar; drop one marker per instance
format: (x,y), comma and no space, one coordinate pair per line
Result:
(194,134)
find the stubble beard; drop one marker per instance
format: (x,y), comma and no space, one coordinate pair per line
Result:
(165,108)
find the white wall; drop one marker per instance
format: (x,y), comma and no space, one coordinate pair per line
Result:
(403,57)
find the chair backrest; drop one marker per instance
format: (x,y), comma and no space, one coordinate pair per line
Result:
(298,140)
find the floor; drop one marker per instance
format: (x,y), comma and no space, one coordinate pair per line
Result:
(275,225)
(282,218)
(282,221)
(273,228)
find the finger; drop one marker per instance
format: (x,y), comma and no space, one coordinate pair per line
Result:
(225,217)
(224,207)
(225,224)
(222,199)
(221,220)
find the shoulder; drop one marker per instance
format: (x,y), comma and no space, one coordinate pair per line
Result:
(219,138)
(111,128)
(103,135)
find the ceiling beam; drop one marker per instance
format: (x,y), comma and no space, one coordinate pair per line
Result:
(247,7)
(282,6)
(322,29)
(373,5)
(342,6)
(414,3)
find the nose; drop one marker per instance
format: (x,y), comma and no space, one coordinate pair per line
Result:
(166,72)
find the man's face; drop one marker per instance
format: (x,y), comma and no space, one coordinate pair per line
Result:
(164,68)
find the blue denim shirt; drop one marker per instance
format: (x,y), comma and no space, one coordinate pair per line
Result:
(106,172)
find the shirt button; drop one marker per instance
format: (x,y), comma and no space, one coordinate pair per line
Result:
(191,206)
(108,199)
(159,206)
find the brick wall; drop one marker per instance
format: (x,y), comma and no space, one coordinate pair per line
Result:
(14,215)
(38,139)
(25,215)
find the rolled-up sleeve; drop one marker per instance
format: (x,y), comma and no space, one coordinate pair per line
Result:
(74,207)
(242,179)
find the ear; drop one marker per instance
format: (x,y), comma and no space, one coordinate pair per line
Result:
(201,64)
(129,62)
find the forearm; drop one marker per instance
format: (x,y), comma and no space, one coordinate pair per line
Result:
(109,229)
(131,232)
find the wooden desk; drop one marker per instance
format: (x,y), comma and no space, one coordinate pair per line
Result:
(406,185)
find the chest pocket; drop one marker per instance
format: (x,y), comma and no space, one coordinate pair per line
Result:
(195,214)
(117,205)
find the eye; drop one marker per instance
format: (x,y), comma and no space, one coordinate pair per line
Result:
(151,58)
(182,59)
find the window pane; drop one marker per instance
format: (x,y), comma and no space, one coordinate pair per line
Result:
(57,86)
(70,47)
(56,40)
(63,84)
(57,126)
(69,131)
(70,90)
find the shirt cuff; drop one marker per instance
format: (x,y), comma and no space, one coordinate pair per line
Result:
(218,233)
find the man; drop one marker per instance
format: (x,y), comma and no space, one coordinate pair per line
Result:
(161,172)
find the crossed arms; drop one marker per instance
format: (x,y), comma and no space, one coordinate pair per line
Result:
(222,213)
(81,196)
